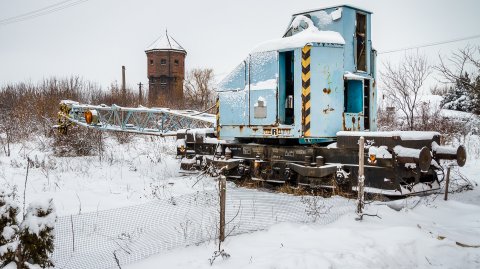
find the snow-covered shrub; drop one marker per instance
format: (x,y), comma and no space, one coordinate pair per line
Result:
(37,233)
(78,141)
(462,72)
(431,118)
(8,228)
(387,119)
(122,137)
(461,96)
(428,116)
(30,243)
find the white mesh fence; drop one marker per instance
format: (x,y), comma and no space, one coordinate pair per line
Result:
(121,236)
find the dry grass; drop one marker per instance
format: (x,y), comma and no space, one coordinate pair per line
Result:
(249,184)
(294,190)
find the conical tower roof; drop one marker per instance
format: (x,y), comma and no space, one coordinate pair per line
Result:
(165,43)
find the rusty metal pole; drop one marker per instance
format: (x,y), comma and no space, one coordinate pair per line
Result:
(223,189)
(140,95)
(447,182)
(124,89)
(361,176)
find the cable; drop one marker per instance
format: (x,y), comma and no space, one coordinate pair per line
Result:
(42,11)
(431,44)
(46,12)
(34,11)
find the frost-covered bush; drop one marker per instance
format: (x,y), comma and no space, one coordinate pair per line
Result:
(461,96)
(78,141)
(30,243)
(8,228)
(37,233)
(462,71)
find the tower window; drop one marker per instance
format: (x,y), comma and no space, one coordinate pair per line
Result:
(176,62)
(151,62)
(163,61)
(163,82)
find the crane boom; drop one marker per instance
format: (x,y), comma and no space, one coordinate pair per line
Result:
(142,120)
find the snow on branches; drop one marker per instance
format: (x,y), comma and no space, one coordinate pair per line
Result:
(8,228)
(27,244)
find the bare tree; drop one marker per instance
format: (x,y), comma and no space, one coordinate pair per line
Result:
(404,82)
(453,67)
(198,89)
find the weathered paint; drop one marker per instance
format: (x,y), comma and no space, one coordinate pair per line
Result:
(319,107)
(353,121)
(327,72)
(270,97)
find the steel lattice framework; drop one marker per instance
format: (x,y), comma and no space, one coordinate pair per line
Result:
(142,120)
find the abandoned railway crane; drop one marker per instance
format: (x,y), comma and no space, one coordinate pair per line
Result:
(293,112)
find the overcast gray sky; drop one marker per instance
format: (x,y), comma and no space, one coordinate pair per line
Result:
(95,38)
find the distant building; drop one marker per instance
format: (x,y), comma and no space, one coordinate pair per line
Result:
(165,71)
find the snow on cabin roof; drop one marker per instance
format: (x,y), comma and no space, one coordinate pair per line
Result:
(334,6)
(307,36)
(165,42)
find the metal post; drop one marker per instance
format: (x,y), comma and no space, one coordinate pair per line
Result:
(361,175)
(124,90)
(73,234)
(223,189)
(140,97)
(447,182)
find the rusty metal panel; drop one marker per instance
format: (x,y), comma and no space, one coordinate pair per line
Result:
(352,121)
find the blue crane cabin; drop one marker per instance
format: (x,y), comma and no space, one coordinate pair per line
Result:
(316,80)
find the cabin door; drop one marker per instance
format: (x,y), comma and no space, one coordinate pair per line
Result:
(353,116)
(286,88)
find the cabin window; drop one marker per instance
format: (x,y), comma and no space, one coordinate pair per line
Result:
(236,80)
(163,61)
(263,70)
(301,26)
(361,42)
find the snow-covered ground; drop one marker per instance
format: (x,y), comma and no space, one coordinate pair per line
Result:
(426,232)
(127,174)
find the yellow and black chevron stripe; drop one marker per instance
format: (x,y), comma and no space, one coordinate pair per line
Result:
(306,90)
(217,126)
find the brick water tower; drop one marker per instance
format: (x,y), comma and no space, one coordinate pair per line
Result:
(165,71)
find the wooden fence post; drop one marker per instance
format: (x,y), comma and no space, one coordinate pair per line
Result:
(223,189)
(447,182)
(361,176)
